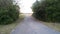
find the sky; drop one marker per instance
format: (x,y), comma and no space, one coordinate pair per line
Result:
(25,5)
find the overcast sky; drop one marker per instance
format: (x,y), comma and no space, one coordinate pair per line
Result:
(25,5)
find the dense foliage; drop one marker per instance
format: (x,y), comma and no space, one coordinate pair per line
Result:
(47,10)
(8,12)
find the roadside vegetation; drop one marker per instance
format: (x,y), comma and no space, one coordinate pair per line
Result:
(7,29)
(9,12)
(9,16)
(48,11)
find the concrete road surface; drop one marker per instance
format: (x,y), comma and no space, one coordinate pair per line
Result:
(31,26)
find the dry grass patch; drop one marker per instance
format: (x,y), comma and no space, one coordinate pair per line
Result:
(55,26)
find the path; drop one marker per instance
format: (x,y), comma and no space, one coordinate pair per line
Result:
(30,26)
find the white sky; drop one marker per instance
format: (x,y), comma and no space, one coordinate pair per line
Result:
(25,5)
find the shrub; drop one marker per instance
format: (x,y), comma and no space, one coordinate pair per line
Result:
(8,13)
(48,10)
(39,10)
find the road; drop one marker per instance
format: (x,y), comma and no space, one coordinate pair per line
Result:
(31,26)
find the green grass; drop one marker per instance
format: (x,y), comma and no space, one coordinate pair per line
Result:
(6,29)
(55,26)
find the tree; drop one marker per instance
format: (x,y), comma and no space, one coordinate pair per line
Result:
(5,3)
(38,9)
(8,11)
(47,10)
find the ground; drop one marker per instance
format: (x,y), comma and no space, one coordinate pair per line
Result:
(32,26)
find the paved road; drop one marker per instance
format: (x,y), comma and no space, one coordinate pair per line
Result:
(31,26)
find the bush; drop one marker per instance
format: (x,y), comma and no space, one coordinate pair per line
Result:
(8,13)
(39,10)
(48,10)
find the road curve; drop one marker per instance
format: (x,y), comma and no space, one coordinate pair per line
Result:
(30,26)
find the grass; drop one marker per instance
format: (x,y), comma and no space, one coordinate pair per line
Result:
(6,29)
(55,26)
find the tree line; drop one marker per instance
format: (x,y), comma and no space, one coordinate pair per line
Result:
(47,10)
(44,10)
